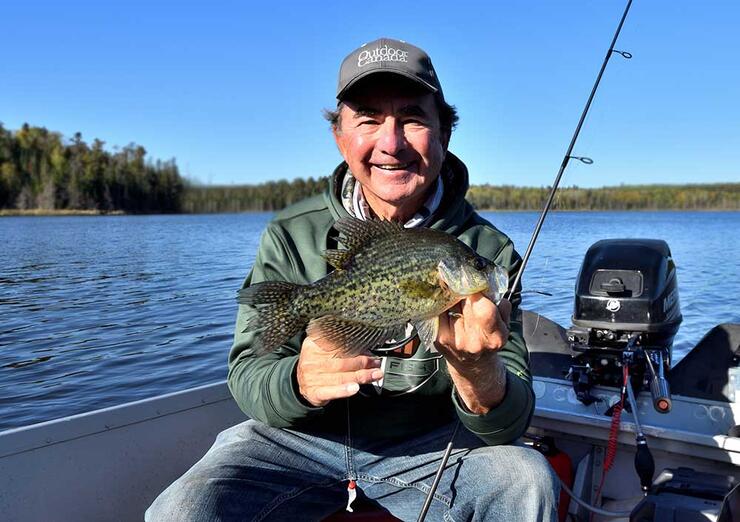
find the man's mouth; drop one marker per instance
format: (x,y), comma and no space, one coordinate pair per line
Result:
(394,166)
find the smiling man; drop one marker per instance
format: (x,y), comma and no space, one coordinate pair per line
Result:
(324,427)
(393,144)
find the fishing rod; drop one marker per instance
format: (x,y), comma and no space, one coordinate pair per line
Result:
(566,159)
(568,153)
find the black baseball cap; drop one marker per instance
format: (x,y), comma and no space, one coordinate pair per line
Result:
(387,55)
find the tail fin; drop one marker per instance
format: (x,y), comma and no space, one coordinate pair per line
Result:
(275,320)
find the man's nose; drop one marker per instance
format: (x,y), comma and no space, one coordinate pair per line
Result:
(392,139)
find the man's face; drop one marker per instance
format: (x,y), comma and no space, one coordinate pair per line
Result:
(391,140)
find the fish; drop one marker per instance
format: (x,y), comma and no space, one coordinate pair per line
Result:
(387,277)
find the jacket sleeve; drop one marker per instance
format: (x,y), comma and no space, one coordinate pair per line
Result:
(509,420)
(265,386)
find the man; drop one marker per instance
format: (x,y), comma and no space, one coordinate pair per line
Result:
(378,424)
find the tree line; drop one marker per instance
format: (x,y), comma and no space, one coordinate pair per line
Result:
(40,170)
(716,196)
(275,195)
(269,196)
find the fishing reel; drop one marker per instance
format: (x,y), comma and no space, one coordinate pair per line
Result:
(626,314)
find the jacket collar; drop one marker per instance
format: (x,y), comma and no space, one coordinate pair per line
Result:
(452,213)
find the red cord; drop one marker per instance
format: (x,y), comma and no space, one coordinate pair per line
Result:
(611,447)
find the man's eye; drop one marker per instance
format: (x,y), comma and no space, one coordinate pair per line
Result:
(368,122)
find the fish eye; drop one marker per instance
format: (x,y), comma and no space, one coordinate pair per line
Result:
(480,263)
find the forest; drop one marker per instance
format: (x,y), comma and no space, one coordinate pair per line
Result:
(718,196)
(278,194)
(40,170)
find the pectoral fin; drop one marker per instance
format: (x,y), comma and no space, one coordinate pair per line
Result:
(348,337)
(427,331)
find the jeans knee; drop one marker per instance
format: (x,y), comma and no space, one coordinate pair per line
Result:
(506,483)
(541,477)
(184,500)
(523,472)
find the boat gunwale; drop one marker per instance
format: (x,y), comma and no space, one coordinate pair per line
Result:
(57,431)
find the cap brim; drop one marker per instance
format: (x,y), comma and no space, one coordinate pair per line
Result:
(341,94)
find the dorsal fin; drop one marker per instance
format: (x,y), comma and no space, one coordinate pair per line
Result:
(338,258)
(358,233)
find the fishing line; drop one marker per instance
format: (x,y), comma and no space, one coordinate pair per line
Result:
(564,164)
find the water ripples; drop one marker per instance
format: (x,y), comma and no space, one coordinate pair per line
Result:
(99,311)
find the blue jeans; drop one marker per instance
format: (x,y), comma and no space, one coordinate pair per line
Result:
(255,472)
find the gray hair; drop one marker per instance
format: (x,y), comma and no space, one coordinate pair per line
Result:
(448,117)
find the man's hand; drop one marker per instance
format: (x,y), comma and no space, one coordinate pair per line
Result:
(470,334)
(323,376)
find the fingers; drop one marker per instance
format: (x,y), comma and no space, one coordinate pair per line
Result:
(447,331)
(324,394)
(319,392)
(322,376)
(476,325)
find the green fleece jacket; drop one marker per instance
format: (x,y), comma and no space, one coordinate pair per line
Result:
(416,393)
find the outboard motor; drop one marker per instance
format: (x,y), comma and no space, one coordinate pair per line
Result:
(626,312)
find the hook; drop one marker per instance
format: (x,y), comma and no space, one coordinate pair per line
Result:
(582,159)
(624,54)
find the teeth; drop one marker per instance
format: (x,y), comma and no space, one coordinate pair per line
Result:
(393,167)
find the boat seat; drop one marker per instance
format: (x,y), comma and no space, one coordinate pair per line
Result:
(549,350)
(704,372)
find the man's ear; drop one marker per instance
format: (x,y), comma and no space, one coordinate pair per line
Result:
(444,138)
(339,140)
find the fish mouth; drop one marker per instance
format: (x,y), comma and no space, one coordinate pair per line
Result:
(461,290)
(459,283)
(471,290)
(498,284)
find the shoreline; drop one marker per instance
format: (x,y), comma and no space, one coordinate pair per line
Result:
(68,212)
(613,210)
(13,212)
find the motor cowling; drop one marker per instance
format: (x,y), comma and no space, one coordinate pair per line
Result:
(627,286)
(626,313)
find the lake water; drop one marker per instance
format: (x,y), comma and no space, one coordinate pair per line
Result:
(99,311)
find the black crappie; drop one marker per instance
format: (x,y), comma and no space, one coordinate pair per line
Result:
(387,277)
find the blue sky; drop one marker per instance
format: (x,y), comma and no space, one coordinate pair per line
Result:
(234,90)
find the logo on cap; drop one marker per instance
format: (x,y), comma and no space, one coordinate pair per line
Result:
(382,54)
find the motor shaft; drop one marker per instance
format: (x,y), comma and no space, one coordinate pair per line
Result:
(644,463)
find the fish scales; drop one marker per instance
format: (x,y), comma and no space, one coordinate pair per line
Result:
(388,277)
(379,272)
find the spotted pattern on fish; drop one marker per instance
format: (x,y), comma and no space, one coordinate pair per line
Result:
(389,276)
